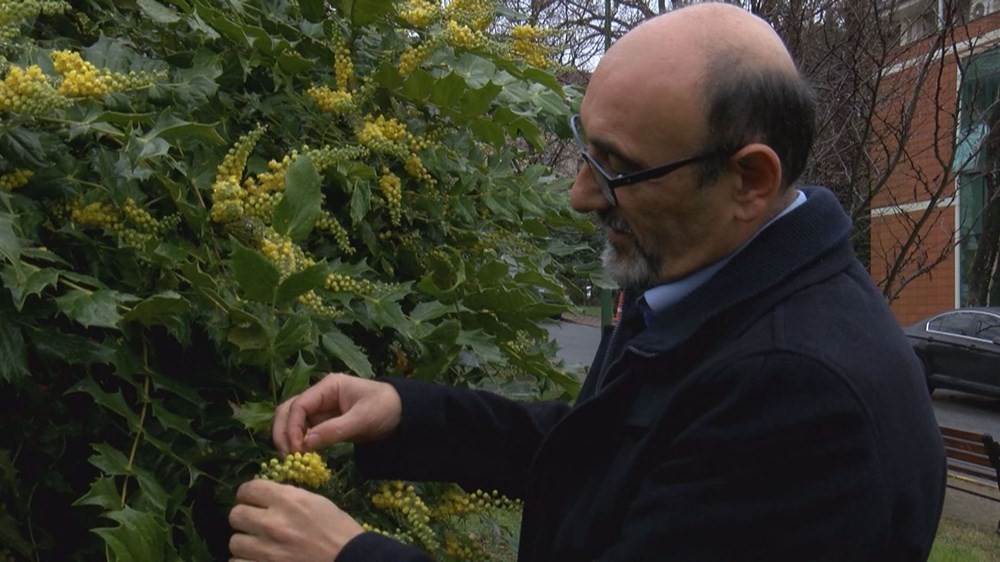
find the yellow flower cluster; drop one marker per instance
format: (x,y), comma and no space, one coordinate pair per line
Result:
(328,223)
(392,190)
(143,221)
(28,91)
(414,55)
(398,535)
(527,45)
(331,101)
(457,550)
(340,283)
(132,225)
(327,157)
(227,193)
(460,35)
(261,193)
(15,179)
(12,11)
(402,498)
(387,136)
(84,80)
(420,13)
(457,502)
(343,67)
(415,167)
(99,214)
(306,469)
(284,253)
(477,14)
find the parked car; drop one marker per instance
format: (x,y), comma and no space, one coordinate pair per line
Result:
(960,349)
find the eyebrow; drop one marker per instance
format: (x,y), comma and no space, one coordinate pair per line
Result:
(610,149)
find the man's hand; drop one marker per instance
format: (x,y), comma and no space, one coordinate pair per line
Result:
(280,523)
(336,409)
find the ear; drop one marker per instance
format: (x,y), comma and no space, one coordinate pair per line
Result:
(759,169)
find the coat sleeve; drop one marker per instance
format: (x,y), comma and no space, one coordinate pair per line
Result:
(476,439)
(373,547)
(772,462)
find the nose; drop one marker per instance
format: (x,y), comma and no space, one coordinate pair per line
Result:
(585,196)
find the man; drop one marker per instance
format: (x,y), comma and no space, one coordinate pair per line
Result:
(757,401)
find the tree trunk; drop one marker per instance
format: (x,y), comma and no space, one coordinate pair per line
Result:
(981,274)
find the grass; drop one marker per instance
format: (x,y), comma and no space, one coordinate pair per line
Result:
(956,541)
(960,542)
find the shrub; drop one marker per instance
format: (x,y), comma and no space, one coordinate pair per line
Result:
(206,205)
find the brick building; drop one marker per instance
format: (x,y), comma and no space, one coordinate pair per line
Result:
(937,103)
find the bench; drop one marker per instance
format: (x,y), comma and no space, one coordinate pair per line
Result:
(973,458)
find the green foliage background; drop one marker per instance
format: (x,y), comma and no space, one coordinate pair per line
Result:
(137,379)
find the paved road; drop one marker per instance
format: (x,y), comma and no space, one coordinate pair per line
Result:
(967,411)
(578,343)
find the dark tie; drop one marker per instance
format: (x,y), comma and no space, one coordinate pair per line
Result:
(632,322)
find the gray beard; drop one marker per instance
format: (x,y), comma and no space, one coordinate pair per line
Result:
(639,269)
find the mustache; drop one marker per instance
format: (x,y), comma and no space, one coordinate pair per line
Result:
(613,220)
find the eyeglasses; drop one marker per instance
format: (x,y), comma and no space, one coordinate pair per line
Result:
(609,183)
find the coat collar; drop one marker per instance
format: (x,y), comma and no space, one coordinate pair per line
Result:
(801,248)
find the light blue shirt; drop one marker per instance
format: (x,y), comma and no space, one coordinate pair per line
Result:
(662,296)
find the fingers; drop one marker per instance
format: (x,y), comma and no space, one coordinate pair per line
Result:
(293,418)
(336,409)
(280,522)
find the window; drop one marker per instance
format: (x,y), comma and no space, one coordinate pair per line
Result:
(955,323)
(979,115)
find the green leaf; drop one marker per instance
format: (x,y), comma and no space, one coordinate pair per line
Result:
(21,288)
(430,310)
(24,145)
(93,309)
(313,10)
(340,346)
(9,537)
(102,493)
(70,348)
(364,12)
(360,202)
(418,85)
(297,380)
(477,102)
(10,245)
(248,332)
(194,86)
(448,91)
(255,416)
(476,70)
(176,423)
(385,312)
(295,334)
(299,207)
(171,128)
(13,355)
(301,282)
(140,535)
(158,12)
(114,402)
(164,309)
(255,274)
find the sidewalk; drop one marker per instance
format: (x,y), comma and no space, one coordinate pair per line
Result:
(584,320)
(968,508)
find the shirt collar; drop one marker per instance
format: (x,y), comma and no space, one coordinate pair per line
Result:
(659,298)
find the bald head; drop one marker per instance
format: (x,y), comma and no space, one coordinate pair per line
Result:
(723,65)
(706,31)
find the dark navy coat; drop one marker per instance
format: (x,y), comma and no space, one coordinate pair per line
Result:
(776,413)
